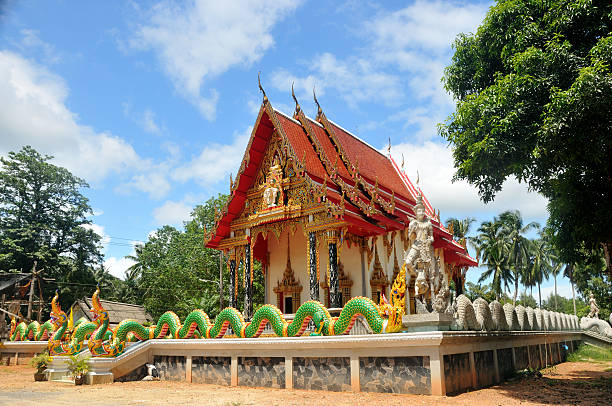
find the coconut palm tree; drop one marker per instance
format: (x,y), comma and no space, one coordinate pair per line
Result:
(540,263)
(514,230)
(492,248)
(461,228)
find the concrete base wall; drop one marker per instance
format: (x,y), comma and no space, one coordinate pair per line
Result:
(434,363)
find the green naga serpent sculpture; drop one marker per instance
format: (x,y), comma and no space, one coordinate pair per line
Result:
(197,323)
(32,332)
(57,345)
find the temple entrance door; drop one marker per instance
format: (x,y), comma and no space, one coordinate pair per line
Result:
(288,304)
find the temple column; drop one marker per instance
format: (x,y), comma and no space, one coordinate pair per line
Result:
(312,265)
(335,298)
(232,272)
(248,290)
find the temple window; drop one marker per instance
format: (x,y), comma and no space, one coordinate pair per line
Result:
(288,289)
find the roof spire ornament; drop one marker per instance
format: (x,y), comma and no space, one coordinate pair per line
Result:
(297,105)
(389,147)
(402,162)
(319,110)
(265,98)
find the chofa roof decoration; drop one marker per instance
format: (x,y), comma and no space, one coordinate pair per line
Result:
(355,182)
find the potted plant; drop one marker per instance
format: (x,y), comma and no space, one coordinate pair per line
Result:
(78,368)
(40,362)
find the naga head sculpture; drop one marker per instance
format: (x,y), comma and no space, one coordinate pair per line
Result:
(58,317)
(99,313)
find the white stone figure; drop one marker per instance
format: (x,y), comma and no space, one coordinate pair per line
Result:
(420,257)
(594,313)
(269,196)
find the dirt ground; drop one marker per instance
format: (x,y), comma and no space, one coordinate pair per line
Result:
(577,383)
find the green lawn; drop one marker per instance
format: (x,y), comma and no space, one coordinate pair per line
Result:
(588,353)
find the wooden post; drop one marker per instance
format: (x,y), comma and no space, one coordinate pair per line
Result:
(31,296)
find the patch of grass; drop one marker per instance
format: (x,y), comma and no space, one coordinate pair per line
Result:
(588,353)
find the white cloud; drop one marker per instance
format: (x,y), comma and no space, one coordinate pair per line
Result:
(564,288)
(434,163)
(146,119)
(355,79)
(32,40)
(205,38)
(173,212)
(404,52)
(215,161)
(33,112)
(117,266)
(153,181)
(417,39)
(98,229)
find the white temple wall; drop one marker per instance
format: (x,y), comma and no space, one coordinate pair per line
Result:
(278,261)
(351,259)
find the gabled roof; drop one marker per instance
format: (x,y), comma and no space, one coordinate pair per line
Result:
(117,311)
(357,183)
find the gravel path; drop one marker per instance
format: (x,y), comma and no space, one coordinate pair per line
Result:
(578,383)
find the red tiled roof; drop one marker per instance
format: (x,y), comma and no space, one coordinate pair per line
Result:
(372,167)
(300,143)
(372,164)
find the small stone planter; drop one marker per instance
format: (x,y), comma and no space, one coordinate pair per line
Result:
(79,380)
(40,376)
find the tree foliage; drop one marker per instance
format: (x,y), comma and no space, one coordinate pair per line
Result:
(533,88)
(44,218)
(174,271)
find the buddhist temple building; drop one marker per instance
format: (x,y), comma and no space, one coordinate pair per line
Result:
(324,213)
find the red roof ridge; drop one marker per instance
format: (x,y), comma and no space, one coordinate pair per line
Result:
(357,138)
(287,116)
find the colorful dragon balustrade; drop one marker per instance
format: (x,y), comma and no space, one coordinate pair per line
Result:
(198,325)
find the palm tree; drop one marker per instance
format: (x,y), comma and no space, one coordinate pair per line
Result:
(555,265)
(461,228)
(539,264)
(136,269)
(514,230)
(492,246)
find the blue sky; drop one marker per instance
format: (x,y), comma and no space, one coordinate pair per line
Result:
(153,102)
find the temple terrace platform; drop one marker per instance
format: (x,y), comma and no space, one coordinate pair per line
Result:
(436,363)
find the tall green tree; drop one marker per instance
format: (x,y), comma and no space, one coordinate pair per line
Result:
(493,250)
(514,230)
(174,271)
(533,91)
(44,218)
(540,264)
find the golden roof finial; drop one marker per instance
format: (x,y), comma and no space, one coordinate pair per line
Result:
(265,98)
(389,147)
(297,105)
(319,110)
(402,162)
